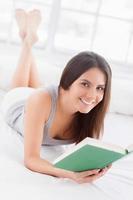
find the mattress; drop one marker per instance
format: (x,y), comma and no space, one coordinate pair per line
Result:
(17,182)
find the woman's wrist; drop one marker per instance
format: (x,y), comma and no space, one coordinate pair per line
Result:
(61,173)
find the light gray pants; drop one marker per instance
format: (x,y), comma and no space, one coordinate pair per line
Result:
(12,107)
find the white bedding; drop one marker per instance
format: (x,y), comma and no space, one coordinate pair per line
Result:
(17,182)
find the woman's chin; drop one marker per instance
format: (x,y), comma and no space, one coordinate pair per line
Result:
(85,111)
(83,108)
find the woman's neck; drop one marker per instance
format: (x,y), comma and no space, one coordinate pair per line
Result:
(64,107)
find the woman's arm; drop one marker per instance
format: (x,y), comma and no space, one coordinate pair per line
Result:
(37,111)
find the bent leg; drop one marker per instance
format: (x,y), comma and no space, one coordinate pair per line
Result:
(34,79)
(26,74)
(34,19)
(22,72)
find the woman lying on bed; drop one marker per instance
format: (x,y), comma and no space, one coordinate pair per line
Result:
(56,115)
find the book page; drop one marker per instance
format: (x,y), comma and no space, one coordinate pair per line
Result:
(105,145)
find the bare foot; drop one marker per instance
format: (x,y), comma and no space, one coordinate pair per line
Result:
(33,21)
(21,18)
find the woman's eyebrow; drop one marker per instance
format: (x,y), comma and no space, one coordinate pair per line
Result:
(86,81)
(102,85)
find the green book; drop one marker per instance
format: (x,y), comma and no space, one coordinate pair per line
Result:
(91,154)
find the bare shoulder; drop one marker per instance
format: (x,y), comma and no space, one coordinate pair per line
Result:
(40,102)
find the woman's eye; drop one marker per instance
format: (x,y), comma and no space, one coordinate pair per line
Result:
(85,84)
(100,88)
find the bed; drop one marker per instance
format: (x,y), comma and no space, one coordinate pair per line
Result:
(17,182)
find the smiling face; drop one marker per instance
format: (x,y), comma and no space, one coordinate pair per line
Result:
(87,91)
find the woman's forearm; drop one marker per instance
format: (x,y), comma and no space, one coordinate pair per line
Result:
(40,165)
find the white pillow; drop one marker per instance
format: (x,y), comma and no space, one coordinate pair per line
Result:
(122,96)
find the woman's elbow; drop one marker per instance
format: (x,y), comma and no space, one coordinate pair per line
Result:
(29,163)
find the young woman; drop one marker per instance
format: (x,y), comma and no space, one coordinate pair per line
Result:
(61,114)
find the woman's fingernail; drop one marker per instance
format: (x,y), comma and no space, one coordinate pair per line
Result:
(98,170)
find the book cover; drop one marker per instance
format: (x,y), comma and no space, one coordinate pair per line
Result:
(90,154)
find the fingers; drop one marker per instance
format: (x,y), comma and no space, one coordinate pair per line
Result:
(80,176)
(109,166)
(89,176)
(104,170)
(100,174)
(93,178)
(88,173)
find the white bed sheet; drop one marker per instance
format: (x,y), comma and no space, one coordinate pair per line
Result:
(17,182)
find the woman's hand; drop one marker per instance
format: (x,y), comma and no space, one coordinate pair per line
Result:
(88,176)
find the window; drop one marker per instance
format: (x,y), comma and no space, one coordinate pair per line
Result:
(103,26)
(74,31)
(5,19)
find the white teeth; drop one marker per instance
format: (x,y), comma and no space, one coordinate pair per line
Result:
(88,103)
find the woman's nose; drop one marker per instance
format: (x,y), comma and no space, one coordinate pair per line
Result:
(91,93)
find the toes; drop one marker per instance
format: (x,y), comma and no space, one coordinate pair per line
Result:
(19,9)
(21,19)
(20,12)
(36,11)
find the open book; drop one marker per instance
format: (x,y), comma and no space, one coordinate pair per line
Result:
(91,154)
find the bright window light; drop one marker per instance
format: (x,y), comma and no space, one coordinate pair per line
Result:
(74,31)
(103,26)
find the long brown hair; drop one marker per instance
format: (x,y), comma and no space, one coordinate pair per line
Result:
(92,123)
